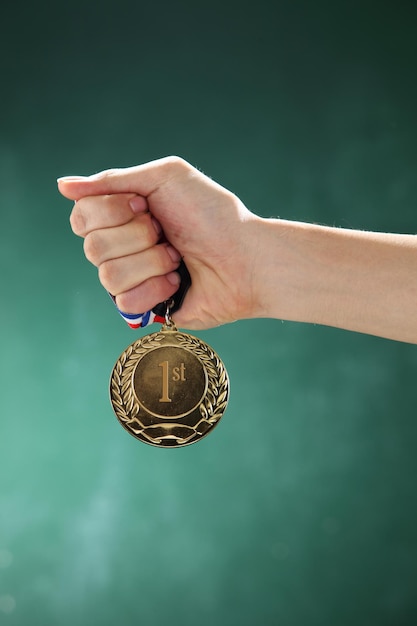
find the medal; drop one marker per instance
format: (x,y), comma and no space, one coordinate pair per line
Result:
(169,388)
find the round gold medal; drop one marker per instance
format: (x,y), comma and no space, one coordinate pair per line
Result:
(169,389)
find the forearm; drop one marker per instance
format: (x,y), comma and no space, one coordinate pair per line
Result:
(359,281)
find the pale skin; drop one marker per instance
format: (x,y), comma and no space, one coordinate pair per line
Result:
(137,223)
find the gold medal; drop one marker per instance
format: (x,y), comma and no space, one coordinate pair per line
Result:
(169,389)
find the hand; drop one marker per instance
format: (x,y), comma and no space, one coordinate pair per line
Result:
(139,222)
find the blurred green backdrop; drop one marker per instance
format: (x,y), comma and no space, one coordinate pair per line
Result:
(300,509)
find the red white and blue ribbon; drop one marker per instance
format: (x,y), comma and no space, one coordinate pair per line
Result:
(140,320)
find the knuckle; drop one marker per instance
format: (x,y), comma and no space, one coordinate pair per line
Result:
(107,174)
(77,220)
(107,275)
(133,301)
(176,163)
(124,302)
(93,247)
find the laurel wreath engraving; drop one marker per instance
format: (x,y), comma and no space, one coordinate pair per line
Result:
(126,405)
(216,397)
(123,397)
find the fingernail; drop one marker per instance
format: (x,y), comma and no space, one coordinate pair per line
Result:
(138,204)
(66,179)
(174,254)
(157,226)
(174,278)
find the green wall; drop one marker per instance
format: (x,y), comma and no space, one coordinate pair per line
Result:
(300,509)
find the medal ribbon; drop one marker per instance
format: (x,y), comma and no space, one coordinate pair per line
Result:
(157,314)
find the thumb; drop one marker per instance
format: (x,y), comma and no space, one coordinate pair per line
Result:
(140,179)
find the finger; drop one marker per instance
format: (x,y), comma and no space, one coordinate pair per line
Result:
(147,295)
(97,212)
(140,179)
(119,275)
(138,235)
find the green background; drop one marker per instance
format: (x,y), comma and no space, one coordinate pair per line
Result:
(300,508)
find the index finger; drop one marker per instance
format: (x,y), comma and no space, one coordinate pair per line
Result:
(141,179)
(98,212)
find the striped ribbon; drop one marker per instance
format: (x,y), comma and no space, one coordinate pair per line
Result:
(140,320)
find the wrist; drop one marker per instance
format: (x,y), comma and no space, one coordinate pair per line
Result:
(293,271)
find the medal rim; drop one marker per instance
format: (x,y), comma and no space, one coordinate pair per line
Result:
(211,408)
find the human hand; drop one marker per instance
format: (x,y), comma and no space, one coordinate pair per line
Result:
(137,223)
